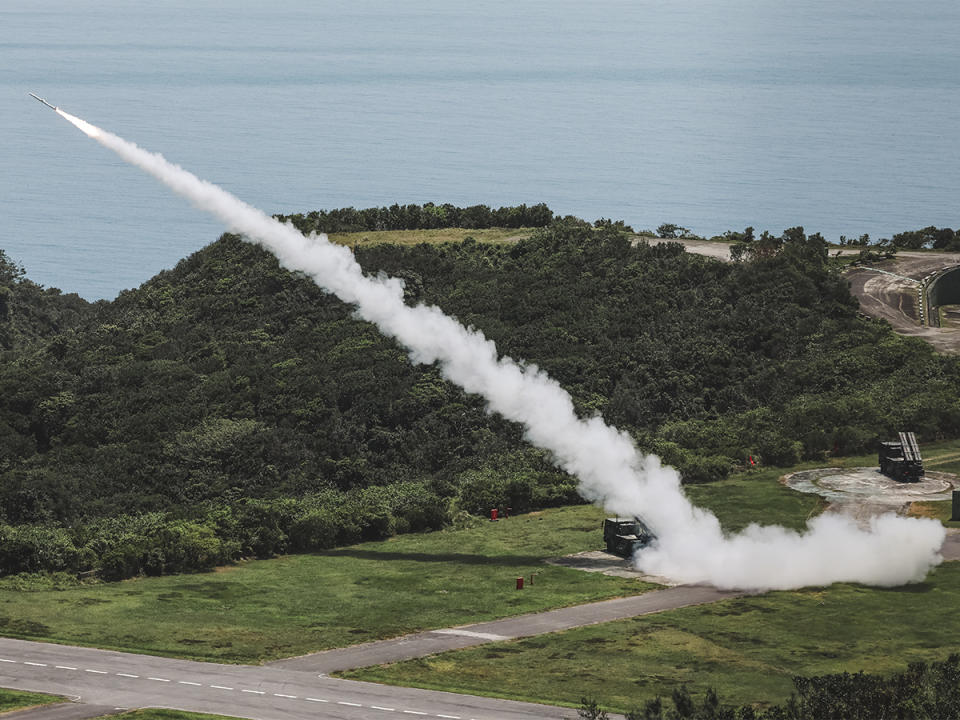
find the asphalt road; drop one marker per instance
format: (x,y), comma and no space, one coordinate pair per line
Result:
(122,680)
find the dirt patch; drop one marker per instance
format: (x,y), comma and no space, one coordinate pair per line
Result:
(606,563)
(888,291)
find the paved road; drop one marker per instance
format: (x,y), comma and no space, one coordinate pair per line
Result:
(114,679)
(435,641)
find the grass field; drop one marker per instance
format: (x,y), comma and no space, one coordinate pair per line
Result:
(264,610)
(293,605)
(748,649)
(756,496)
(415,237)
(17,699)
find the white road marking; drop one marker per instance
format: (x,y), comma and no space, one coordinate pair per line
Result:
(414,712)
(344,702)
(97,672)
(5,660)
(377,707)
(256,692)
(292,697)
(452,717)
(27,662)
(127,675)
(161,679)
(316,700)
(65,667)
(471,633)
(221,687)
(181,682)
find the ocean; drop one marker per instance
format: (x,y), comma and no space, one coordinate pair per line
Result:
(842,117)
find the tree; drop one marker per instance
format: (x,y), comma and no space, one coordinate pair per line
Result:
(672,231)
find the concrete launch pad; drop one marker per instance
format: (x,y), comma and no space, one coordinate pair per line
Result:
(865,491)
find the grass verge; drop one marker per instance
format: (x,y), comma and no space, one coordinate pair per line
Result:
(18,699)
(162,714)
(748,649)
(263,610)
(432,237)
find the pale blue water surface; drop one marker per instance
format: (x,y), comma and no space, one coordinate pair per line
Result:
(840,116)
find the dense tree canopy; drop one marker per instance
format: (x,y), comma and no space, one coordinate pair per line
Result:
(243,410)
(419,217)
(922,692)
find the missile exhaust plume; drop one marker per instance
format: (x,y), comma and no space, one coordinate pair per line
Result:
(691,545)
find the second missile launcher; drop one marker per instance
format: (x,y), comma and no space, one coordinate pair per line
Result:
(901,460)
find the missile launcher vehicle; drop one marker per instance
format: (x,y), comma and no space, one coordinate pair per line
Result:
(901,460)
(624,536)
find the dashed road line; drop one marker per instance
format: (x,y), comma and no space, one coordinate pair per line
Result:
(224,687)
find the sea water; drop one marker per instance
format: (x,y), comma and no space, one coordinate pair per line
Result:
(842,117)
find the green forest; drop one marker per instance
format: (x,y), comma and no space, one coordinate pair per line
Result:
(228,408)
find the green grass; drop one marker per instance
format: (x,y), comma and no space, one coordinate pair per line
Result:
(443,235)
(162,714)
(756,496)
(748,648)
(269,609)
(17,699)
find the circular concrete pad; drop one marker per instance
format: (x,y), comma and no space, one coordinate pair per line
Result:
(866,491)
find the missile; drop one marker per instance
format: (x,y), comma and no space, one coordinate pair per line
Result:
(37,97)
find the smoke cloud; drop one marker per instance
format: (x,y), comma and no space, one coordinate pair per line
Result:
(691,545)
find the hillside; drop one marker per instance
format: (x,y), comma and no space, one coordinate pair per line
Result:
(28,312)
(246,412)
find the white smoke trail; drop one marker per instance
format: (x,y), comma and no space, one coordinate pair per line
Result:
(611,471)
